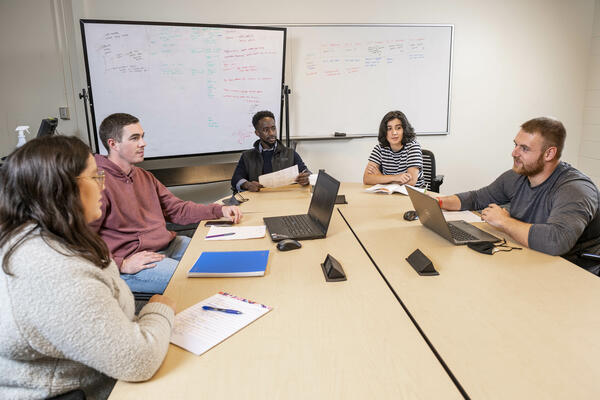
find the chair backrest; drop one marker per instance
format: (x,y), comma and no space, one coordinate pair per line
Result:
(428,169)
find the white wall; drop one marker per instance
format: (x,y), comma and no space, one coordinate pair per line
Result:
(35,75)
(589,154)
(513,60)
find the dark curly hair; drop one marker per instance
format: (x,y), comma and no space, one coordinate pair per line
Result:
(260,115)
(38,189)
(408,131)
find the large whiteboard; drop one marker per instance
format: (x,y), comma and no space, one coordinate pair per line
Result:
(193,87)
(344,78)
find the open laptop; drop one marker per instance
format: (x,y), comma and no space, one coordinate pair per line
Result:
(458,232)
(313,225)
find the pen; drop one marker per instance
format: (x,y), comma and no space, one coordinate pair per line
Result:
(220,234)
(225,310)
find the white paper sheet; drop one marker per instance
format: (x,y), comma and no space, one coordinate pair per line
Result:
(467,216)
(239,232)
(198,330)
(282,177)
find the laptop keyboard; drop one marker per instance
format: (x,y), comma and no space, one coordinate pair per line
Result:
(460,235)
(297,224)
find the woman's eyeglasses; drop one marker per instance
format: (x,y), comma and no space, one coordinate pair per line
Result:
(98,178)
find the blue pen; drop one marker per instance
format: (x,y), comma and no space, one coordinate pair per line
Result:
(225,310)
(220,234)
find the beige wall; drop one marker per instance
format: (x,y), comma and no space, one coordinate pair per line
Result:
(589,154)
(513,60)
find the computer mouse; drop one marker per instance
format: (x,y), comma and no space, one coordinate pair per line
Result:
(288,244)
(410,215)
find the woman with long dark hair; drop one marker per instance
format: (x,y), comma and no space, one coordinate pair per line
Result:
(397,158)
(67,319)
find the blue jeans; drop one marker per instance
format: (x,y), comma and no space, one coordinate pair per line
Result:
(156,279)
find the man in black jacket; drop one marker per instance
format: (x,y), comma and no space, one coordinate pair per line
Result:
(268,155)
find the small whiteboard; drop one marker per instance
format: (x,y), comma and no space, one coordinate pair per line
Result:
(345,78)
(194,87)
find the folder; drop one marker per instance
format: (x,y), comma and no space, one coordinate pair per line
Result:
(214,264)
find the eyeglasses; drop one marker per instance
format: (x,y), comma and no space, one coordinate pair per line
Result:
(98,178)
(235,200)
(238,196)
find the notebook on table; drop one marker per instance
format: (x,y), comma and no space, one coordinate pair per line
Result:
(214,264)
(431,216)
(313,225)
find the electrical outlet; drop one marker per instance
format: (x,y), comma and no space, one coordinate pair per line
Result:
(64,112)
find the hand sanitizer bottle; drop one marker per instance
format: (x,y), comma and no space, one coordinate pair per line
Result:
(22,130)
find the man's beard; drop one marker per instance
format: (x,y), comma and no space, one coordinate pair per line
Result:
(530,170)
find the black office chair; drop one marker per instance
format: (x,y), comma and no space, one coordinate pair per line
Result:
(432,180)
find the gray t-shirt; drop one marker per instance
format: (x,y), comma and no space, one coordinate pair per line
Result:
(563,210)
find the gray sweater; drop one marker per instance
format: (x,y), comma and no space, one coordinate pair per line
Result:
(563,210)
(67,324)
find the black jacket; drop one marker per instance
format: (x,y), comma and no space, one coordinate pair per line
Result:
(250,166)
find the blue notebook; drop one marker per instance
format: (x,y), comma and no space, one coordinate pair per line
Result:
(230,264)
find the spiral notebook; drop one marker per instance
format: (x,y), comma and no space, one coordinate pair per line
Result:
(198,330)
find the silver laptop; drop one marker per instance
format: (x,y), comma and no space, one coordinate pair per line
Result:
(431,215)
(313,225)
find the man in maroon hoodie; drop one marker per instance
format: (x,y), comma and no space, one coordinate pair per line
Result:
(134,208)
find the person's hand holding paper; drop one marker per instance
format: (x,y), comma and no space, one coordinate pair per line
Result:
(302,178)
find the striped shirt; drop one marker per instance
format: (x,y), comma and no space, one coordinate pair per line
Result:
(395,163)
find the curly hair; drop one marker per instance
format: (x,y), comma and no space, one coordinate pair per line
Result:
(39,190)
(260,115)
(408,134)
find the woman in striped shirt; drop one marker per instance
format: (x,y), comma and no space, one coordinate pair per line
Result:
(398,157)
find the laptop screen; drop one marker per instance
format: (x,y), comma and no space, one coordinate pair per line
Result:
(323,199)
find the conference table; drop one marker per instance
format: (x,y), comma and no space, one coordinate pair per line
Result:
(347,339)
(510,325)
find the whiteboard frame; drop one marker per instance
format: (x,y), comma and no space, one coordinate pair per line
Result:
(82,22)
(350,25)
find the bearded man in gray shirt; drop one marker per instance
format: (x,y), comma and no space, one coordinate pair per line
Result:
(554,208)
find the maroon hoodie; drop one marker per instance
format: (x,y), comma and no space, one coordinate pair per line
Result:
(135,207)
